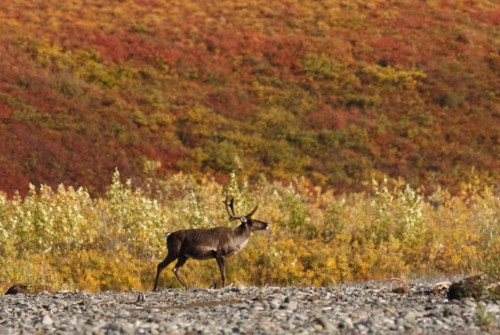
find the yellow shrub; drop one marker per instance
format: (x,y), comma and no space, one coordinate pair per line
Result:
(68,240)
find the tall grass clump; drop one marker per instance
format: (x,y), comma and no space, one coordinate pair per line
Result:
(69,240)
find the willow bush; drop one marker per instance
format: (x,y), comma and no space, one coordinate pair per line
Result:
(69,240)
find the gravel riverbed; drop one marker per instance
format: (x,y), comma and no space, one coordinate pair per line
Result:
(365,308)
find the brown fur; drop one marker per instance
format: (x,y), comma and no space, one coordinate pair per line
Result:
(219,243)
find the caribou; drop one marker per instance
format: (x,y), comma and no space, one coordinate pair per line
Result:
(201,244)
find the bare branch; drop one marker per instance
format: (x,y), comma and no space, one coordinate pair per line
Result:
(405,286)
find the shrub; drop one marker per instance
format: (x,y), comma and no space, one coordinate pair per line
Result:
(67,239)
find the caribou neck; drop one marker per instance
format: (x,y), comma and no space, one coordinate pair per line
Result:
(242,232)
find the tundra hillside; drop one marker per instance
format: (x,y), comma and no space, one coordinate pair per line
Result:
(336,91)
(68,240)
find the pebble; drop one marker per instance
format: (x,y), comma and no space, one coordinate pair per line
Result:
(46,320)
(346,309)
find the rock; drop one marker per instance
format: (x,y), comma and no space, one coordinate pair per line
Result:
(452,311)
(114,326)
(123,313)
(274,303)
(410,316)
(465,288)
(389,310)
(492,308)
(351,308)
(345,323)
(400,290)
(470,287)
(324,323)
(441,288)
(28,289)
(289,304)
(47,320)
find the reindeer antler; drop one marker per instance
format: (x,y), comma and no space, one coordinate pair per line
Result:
(230,206)
(253,211)
(233,216)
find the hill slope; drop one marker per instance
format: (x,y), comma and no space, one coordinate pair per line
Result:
(333,90)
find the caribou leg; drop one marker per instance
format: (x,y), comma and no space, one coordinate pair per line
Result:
(169,259)
(180,262)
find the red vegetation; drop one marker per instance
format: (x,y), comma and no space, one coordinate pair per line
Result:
(336,92)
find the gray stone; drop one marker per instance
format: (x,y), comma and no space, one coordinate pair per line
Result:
(410,316)
(452,310)
(346,323)
(47,320)
(291,305)
(324,323)
(123,313)
(274,303)
(253,310)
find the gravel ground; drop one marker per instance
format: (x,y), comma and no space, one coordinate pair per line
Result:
(365,308)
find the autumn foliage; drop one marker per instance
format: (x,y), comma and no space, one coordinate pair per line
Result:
(66,239)
(336,91)
(368,131)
